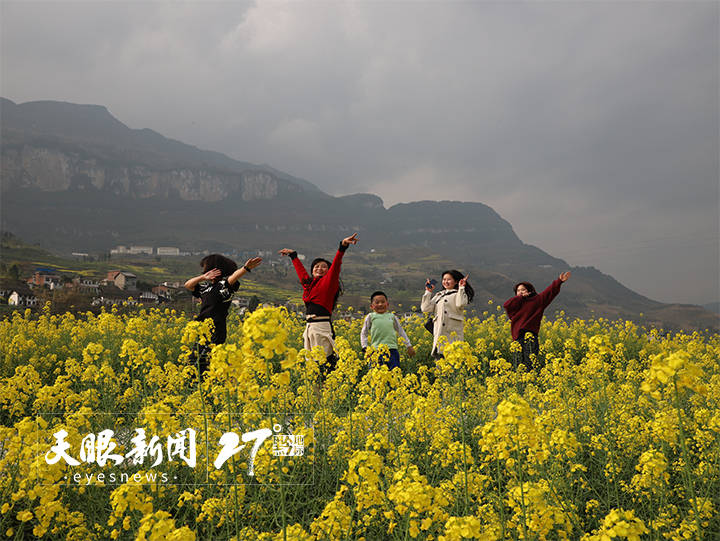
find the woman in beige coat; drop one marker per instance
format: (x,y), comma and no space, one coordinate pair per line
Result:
(447,307)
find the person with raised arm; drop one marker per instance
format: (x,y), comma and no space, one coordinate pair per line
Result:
(525,311)
(447,307)
(215,288)
(321,290)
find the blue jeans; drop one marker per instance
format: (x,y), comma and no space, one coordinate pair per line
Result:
(393,361)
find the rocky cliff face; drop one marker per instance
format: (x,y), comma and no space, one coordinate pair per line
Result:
(55,147)
(52,169)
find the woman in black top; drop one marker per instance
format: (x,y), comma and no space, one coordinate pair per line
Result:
(215,288)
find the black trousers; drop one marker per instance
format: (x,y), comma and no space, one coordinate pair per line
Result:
(199,358)
(530,346)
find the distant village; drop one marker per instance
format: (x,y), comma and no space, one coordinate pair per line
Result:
(239,256)
(121,287)
(117,287)
(148,250)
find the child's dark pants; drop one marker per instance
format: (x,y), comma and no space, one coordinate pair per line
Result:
(393,361)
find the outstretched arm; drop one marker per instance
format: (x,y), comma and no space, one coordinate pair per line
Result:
(249,265)
(299,267)
(334,274)
(428,302)
(209,275)
(553,289)
(461,299)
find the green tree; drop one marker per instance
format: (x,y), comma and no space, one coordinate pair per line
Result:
(14,272)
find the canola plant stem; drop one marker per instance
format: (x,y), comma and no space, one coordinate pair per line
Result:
(462,432)
(689,485)
(234,467)
(518,469)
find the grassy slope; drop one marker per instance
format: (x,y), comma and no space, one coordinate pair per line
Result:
(363,273)
(401,273)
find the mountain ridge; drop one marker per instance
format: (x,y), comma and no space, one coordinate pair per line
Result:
(100,184)
(90,136)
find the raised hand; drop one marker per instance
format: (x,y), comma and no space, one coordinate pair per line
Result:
(463,281)
(285,251)
(350,240)
(429,285)
(564,276)
(212,274)
(250,264)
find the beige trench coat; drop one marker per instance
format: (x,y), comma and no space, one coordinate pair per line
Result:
(448,314)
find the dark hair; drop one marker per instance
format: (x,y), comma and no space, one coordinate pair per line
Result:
(457,276)
(376,294)
(216,261)
(528,286)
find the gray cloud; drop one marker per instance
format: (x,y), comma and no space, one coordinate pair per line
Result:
(591,127)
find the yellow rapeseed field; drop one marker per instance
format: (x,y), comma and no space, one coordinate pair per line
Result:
(616,437)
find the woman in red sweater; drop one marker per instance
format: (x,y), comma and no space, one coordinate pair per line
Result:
(525,311)
(320,294)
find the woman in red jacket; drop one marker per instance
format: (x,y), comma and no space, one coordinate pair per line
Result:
(525,311)
(320,294)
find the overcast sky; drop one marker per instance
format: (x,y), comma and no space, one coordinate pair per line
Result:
(592,127)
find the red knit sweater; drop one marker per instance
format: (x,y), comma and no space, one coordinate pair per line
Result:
(319,293)
(527,312)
